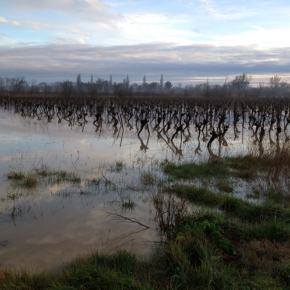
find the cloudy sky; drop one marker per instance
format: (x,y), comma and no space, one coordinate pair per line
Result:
(188,41)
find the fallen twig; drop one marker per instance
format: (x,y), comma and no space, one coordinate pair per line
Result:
(126,218)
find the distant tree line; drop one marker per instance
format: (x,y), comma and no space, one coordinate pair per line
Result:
(240,85)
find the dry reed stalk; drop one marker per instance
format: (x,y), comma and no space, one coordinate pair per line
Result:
(170,212)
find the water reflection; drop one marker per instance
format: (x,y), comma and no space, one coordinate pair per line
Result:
(54,222)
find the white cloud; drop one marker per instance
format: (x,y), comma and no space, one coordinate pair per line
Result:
(228,11)
(38,26)
(7,22)
(90,10)
(69,40)
(5,40)
(76,31)
(139,28)
(33,25)
(57,5)
(260,36)
(207,6)
(96,5)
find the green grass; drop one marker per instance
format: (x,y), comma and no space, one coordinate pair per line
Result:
(128,204)
(116,271)
(64,176)
(194,170)
(29,181)
(231,204)
(23,180)
(57,175)
(274,166)
(194,259)
(42,171)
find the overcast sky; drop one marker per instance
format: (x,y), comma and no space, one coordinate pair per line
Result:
(188,41)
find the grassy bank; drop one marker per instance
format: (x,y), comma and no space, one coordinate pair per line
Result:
(206,251)
(224,242)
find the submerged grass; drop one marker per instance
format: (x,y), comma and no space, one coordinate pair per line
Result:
(30,179)
(128,204)
(194,170)
(272,165)
(63,176)
(148,178)
(118,166)
(15,175)
(24,180)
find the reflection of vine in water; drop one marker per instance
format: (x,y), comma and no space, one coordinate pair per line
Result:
(212,156)
(198,149)
(144,147)
(165,116)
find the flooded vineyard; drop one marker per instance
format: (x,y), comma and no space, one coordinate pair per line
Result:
(81,174)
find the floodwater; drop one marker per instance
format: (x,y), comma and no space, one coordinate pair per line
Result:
(47,226)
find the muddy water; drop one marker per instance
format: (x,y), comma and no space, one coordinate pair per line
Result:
(50,224)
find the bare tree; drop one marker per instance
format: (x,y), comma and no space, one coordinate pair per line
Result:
(66,88)
(206,89)
(33,87)
(2,83)
(106,86)
(16,85)
(275,81)
(277,86)
(241,82)
(99,84)
(92,87)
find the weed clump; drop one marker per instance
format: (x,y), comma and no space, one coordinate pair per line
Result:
(170,212)
(14,175)
(128,204)
(214,168)
(118,166)
(148,178)
(64,176)
(29,181)
(23,180)
(42,171)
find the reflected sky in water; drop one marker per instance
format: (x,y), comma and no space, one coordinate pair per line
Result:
(55,222)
